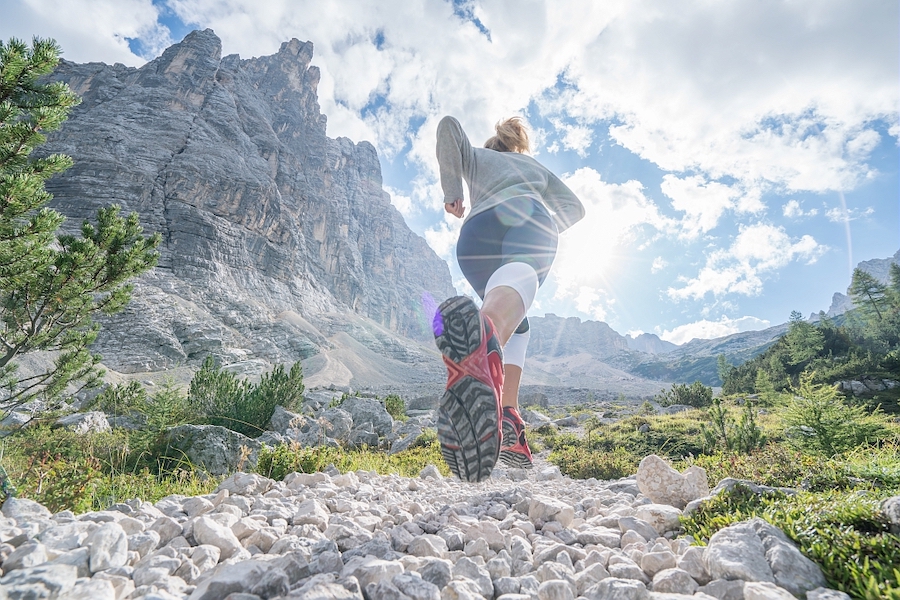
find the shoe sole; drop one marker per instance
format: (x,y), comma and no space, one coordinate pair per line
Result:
(510,458)
(468,425)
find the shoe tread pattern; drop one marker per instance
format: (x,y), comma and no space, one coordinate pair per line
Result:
(510,458)
(467,425)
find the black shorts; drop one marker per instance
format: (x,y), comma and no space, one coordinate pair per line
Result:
(518,230)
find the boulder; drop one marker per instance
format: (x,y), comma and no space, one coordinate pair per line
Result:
(664,485)
(283,419)
(82,423)
(367,410)
(213,448)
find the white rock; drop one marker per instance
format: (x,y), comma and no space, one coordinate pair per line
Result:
(664,485)
(246,484)
(430,472)
(122,586)
(43,581)
(208,531)
(23,508)
(662,517)
(228,579)
(29,554)
(691,561)
(545,508)
(69,536)
(92,589)
(462,589)
(368,569)
(761,590)
(109,547)
(654,562)
(620,589)
(466,568)
(312,512)
(167,528)
(674,581)
(428,545)
(194,507)
(143,543)
(555,589)
(735,552)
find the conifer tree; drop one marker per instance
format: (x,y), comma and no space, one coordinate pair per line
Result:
(869,294)
(51,285)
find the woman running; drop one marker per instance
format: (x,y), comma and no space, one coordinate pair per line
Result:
(505,249)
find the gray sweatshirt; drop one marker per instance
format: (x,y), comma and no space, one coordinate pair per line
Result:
(497,176)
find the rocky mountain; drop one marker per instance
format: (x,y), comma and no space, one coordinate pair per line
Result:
(279,243)
(649,343)
(878,268)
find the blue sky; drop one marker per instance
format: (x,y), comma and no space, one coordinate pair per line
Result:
(736,159)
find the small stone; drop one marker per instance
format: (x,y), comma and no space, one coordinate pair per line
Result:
(620,589)
(109,547)
(555,589)
(92,589)
(654,562)
(208,531)
(428,545)
(674,581)
(763,590)
(29,554)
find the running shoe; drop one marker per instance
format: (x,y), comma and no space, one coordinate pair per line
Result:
(514,451)
(468,422)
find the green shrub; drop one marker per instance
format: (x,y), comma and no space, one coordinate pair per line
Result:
(722,431)
(582,463)
(818,420)
(696,395)
(121,399)
(646,408)
(222,399)
(396,407)
(844,532)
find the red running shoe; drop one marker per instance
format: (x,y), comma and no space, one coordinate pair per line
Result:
(514,450)
(468,422)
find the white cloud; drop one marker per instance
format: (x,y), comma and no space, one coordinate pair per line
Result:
(401,202)
(707,330)
(757,250)
(839,214)
(588,301)
(774,94)
(442,237)
(659,263)
(89,30)
(702,202)
(793,210)
(574,137)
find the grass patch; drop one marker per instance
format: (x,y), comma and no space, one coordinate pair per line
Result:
(844,532)
(66,471)
(288,458)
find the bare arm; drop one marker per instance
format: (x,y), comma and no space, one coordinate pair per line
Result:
(455,159)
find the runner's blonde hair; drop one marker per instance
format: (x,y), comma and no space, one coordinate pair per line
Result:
(512,136)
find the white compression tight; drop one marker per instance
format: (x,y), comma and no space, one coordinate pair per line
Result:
(523,278)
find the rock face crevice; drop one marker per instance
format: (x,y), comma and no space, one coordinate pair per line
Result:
(270,228)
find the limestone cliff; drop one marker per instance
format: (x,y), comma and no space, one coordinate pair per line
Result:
(277,238)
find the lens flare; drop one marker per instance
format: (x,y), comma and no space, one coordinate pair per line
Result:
(430,310)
